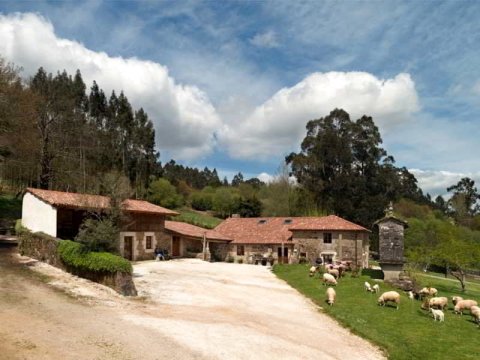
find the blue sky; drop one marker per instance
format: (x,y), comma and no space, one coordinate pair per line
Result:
(232,84)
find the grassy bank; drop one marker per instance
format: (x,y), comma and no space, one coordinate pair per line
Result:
(409,333)
(196,218)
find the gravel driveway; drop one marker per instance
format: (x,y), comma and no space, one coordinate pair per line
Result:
(236,311)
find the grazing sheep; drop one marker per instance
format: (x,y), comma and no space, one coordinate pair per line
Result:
(437,314)
(376,288)
(329,279)
(389,296)
(313,270)
(438,303)
(331,294)
(410,295)
(428,291)
(334,272)
(475,312)
(464,304)
(456,299)
(368,287)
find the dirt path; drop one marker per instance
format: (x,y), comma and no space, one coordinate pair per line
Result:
(187,309)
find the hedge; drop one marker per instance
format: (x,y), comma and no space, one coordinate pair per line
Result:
(75,255)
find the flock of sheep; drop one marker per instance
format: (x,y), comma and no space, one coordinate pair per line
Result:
(436,305)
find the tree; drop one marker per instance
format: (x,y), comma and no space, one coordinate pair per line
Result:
(99,235)
(162,193)
(251,207)
(465,197)
(224,202)
(237,179)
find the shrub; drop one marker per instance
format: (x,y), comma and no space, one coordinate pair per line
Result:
(201,201)
(302,260)
(77,256)
(230,259)
(19,228)
(98,235)
(240,261)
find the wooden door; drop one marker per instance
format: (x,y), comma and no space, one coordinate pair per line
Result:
(176,246)
(282,258)
(128,247)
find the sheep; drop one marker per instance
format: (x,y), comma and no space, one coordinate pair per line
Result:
(428,291)
(392,296)
(331,294)
(329,279)
(368,287)
(410,295)
(456,299)
(376,288)
(438,302)
(437,314)
(313,270)
(464,304)
(475,312)
(334,272)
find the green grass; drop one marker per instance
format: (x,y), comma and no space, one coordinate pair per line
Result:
(196,218)
(407,333)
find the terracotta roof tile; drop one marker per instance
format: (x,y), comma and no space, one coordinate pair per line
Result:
(275,230)
(95,202)
(194,231)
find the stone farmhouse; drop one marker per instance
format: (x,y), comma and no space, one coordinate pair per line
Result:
(60,214)
(287,239)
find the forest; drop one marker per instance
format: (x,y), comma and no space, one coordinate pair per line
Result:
(55,133)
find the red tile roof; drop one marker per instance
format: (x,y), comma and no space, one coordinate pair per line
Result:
(95,202)
(275,230)
(330,222)
(194,231)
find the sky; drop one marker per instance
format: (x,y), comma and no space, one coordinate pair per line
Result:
(232,84)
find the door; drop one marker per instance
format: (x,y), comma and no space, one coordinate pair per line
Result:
(282,259)
(128,247)
(176,246)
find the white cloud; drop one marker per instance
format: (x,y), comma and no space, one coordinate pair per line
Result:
(267,39)
(184,118)
(278,125)
(265,177)
(436,182)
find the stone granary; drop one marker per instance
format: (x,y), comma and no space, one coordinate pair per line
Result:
(391,244)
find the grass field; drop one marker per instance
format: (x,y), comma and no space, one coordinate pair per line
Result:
(196,218)
(410,332)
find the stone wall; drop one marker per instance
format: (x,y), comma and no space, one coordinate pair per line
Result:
(253,250)
(310,244)
(44,248)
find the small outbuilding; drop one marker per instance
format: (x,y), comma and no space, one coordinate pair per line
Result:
(60,214)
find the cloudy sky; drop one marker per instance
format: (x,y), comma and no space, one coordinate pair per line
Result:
(231,85)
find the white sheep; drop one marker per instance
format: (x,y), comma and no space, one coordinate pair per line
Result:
(329,279)
(437,314)
(438,302)
(313,270)
(367,286)
(428,291)
(376,288)
(475,312)
(389,296)
(334,272)
(464,304)
(456,299)
(331,294)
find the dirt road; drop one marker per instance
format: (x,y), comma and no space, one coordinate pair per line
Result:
(188,309)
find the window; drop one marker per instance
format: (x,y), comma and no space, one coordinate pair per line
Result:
(262,221)
(240,250)
(148,242)
(287,221)
(327,238)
